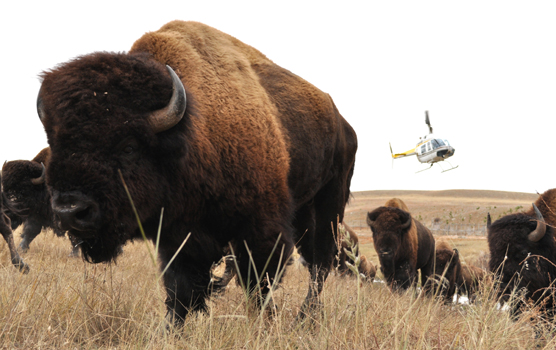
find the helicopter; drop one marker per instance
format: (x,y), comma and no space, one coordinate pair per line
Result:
(429,149)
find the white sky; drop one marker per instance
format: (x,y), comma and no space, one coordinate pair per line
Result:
(485,70)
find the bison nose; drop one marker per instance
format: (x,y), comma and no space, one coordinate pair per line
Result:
(75,210)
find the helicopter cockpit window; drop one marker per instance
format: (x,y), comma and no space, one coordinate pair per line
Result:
(437,143)
(423,149)
(446,142)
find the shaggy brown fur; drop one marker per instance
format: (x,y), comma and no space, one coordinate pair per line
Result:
(28,204)
(260,158)
(546,203)
(396,203)
(6,232)
(402,250)
(458,277)
(471,279)
(367,268)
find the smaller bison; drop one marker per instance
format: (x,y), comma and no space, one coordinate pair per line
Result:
(28,200)
(6,231)
(349,241)
(403,245)
(523,253)
(455,277)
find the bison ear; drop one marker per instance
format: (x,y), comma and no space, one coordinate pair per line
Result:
(167,117)
(371,219)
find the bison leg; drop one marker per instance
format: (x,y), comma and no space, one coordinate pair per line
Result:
(426,273)
(318,245)
(187,279)
(261,260)
(187,287)
(31,229)
(9,238)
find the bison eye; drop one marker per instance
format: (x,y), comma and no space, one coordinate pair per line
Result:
(129,149)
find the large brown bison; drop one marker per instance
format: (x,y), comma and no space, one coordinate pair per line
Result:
(27,198)
(6,231)
(403,245)
(236,149)
(523,252)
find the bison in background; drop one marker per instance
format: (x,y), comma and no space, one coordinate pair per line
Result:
(447,269)
(523,253)
(348,240)
(471,279)
(236,149)
(453,275)
(403,245)
(396,203)
(6,231)
(28,200)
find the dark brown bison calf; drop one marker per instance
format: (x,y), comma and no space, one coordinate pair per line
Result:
(453,276)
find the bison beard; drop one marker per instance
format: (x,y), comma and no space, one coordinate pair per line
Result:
(259,159)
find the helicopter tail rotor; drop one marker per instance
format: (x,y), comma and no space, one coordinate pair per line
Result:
(392,154)
(428,121)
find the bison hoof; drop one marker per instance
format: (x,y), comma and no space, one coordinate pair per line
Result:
(22,267)
(23,247)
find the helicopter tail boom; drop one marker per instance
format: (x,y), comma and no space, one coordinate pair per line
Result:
(411,152)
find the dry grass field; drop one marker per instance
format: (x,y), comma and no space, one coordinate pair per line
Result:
(65,303)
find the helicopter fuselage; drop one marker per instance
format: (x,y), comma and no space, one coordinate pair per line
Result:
(433,150)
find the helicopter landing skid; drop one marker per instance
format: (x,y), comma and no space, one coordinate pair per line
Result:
(424,169)
(452,167)
(443,171)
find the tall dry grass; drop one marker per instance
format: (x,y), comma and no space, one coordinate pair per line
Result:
(64,303)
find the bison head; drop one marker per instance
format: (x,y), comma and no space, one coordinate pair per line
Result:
(395,245)
(522,255)
(104,115)
(24,189)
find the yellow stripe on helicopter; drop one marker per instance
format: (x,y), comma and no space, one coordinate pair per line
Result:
(404,154)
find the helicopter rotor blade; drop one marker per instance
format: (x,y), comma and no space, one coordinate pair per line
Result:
(428,121)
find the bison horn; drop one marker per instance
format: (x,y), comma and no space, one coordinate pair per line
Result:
(40,109)
(167,117)
(40,180)
(540,230)
(489,221)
